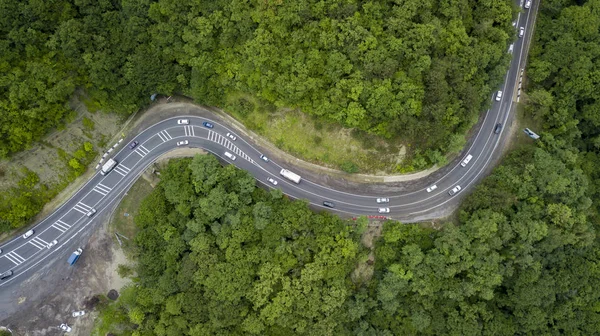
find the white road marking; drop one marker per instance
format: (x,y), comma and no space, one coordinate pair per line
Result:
(14,258)
(122,170)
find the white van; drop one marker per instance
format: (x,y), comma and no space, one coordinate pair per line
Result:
(465,162)
(230,156)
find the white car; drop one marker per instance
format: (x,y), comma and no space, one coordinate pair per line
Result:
(28,234)
(78,313)
(527,4)
(521,32)
(183,122)
(91,212)
(272,181)
(65,327)
(383,210)
(499,96)
(383,200)
(231,136)
(466,161)
(432,188)
(264,158)
(511,48)
(230,156)
(182,143)
(52,243)
(454,190)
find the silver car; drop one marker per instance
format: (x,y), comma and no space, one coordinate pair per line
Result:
(383,200)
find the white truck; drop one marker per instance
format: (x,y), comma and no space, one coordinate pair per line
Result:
(108,166)
(290,176)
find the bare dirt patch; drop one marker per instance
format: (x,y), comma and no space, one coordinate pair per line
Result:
(48,298)
(365,268)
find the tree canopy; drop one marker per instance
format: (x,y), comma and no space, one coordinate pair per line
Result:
(387,67)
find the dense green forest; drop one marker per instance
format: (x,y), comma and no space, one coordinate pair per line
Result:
(218,256)
(387,67)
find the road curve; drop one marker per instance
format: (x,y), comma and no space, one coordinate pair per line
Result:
(67,223)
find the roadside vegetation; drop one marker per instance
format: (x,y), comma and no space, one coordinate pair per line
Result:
(415,73)
(29,180)
(219,256)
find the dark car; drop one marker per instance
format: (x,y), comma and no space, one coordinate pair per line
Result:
(329,204)
(133,144)
(6,275)
(498,128)
(208,125)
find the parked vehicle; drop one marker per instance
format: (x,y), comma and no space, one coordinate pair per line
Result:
(65,327)
(108,166)
(78,313)
(75,256)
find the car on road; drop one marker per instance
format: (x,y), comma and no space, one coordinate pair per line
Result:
(432,188)
(264,158)
(521,31)
(0,251)
(6,275)
(383,210)
(230,156)
(182,143)
(383,200)
(527,4)
(272,181)
(499,96)
(231,136)
(329,204)
(28,234)
(498,128)
(133,144)
(52,243)
(454,190)
(511,48)
(208,125)
(466,161)
(65,327)
(91,212)
(183,122)
(78,313)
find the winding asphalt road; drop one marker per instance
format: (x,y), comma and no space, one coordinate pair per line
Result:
(26,256)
